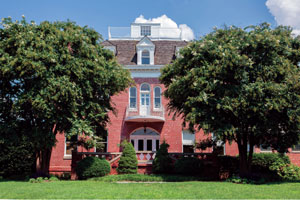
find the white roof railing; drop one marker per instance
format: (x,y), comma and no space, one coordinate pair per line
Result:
(134,33)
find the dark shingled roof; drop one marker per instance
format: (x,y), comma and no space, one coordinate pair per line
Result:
(126,51)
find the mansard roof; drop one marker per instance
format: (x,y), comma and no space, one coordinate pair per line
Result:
(165,51)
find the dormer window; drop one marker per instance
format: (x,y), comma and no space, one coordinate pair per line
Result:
(145,30)
(145,57)
(145,52)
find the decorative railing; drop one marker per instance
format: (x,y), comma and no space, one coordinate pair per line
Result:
(147,113)
(158,33)
(146,157)
(202,156)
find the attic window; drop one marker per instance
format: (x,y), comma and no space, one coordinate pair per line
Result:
(111,48)
(145,30)
(145,57)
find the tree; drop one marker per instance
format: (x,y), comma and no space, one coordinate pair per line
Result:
(162,163)
(240,84)
(55,78)
(128,163)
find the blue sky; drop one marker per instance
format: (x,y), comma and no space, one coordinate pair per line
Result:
(200,15)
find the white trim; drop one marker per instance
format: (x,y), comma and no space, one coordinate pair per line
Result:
(136,98)
(160,100)
(67,156)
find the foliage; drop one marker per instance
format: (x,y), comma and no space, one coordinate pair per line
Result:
(128,163)
(241,84)
(290,172)
(55,77)
(162,163)
(92,167)
(53,178)
(275,166)
(229,164)
(146,178)
(188,166)
(16,156)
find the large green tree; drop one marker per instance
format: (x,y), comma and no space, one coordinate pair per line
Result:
(54,78)
(243,85)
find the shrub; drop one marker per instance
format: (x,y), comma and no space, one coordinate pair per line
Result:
(92,167)
(188,166)
(162,162)
(290,172)
(16,156)
(270,164)
(228,163)
(128,163)
(53,178)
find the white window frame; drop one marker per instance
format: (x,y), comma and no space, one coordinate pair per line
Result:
(147,57)
(136,102)
(145,30)
(295,151)
(136,138)
(265,150)
(160,100)
(111,48)
(95,148)
(67,156)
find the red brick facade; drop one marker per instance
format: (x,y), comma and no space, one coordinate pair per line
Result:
(120,128)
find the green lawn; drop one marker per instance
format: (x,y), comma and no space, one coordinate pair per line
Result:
(179,190)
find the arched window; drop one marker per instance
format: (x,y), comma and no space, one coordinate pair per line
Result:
(145,57)
(132,97)
(157,97)
(145,87)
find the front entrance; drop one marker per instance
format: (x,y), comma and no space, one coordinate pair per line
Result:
(145,140)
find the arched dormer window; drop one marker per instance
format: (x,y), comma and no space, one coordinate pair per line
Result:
(145,57)
(145,52)
(157,97)
(132,97)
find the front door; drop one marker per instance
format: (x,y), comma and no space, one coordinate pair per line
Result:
(145,104)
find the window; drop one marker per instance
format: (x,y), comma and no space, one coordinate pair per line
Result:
(265,149)
(188,141)
(296,147)
(157,97)
(145,30)
(140,145)
(132,97)
(149,145)
(70,145)
(145,57)
(101,146)
(145,87)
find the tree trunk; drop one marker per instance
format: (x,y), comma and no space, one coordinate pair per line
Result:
(43,162)
(243,157)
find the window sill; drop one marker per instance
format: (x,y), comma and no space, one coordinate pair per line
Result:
(67,157)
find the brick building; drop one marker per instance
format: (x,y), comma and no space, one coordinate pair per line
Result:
(142,117)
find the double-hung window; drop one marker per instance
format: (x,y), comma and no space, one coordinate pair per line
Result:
(157,97)
(132,97)
(145,30)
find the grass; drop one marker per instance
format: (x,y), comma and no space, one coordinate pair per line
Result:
(169,190)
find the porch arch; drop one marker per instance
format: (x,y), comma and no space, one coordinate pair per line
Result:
(145,139)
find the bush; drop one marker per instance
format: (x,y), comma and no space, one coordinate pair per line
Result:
(92,167)
(16,156)
(228,163)
(188,166)
(290,172)
(270,165)
(162,163)
(128,163)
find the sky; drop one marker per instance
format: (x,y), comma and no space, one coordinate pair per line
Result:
(195,17)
